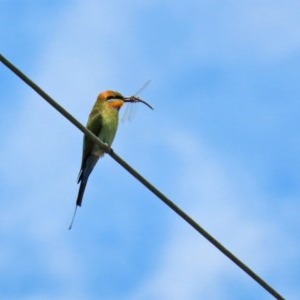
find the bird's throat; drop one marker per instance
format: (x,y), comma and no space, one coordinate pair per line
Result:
(116,103)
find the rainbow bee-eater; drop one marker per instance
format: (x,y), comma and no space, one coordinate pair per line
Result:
(103,122)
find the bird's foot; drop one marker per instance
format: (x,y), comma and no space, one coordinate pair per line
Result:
(108,149)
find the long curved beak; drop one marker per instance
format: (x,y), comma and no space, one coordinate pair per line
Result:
(134,99)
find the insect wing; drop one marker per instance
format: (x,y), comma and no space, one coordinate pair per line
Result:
(129,112)
(130,108)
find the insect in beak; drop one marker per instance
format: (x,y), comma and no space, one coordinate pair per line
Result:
(134,99)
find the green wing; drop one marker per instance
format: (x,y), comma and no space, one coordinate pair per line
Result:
(94,124)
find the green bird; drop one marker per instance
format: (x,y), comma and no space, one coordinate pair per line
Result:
(103,122)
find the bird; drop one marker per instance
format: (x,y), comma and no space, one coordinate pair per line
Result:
(103,122)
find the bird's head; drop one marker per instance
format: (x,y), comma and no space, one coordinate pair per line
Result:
(116,100)
(111,98)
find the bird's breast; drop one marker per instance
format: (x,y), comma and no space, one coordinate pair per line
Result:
(109,128)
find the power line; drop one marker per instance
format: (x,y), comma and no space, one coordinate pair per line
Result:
(140,178)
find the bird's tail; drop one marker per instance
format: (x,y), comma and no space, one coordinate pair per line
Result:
(79,198)
(81,191)
(84,174)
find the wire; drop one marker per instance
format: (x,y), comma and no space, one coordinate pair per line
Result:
(140,178)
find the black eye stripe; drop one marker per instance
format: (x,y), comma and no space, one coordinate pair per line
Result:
(114,97)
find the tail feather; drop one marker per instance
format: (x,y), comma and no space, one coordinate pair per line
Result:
(83,181)
(84,174)
(81,191)
(85,171)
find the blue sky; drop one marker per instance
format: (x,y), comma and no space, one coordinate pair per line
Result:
(222,143)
